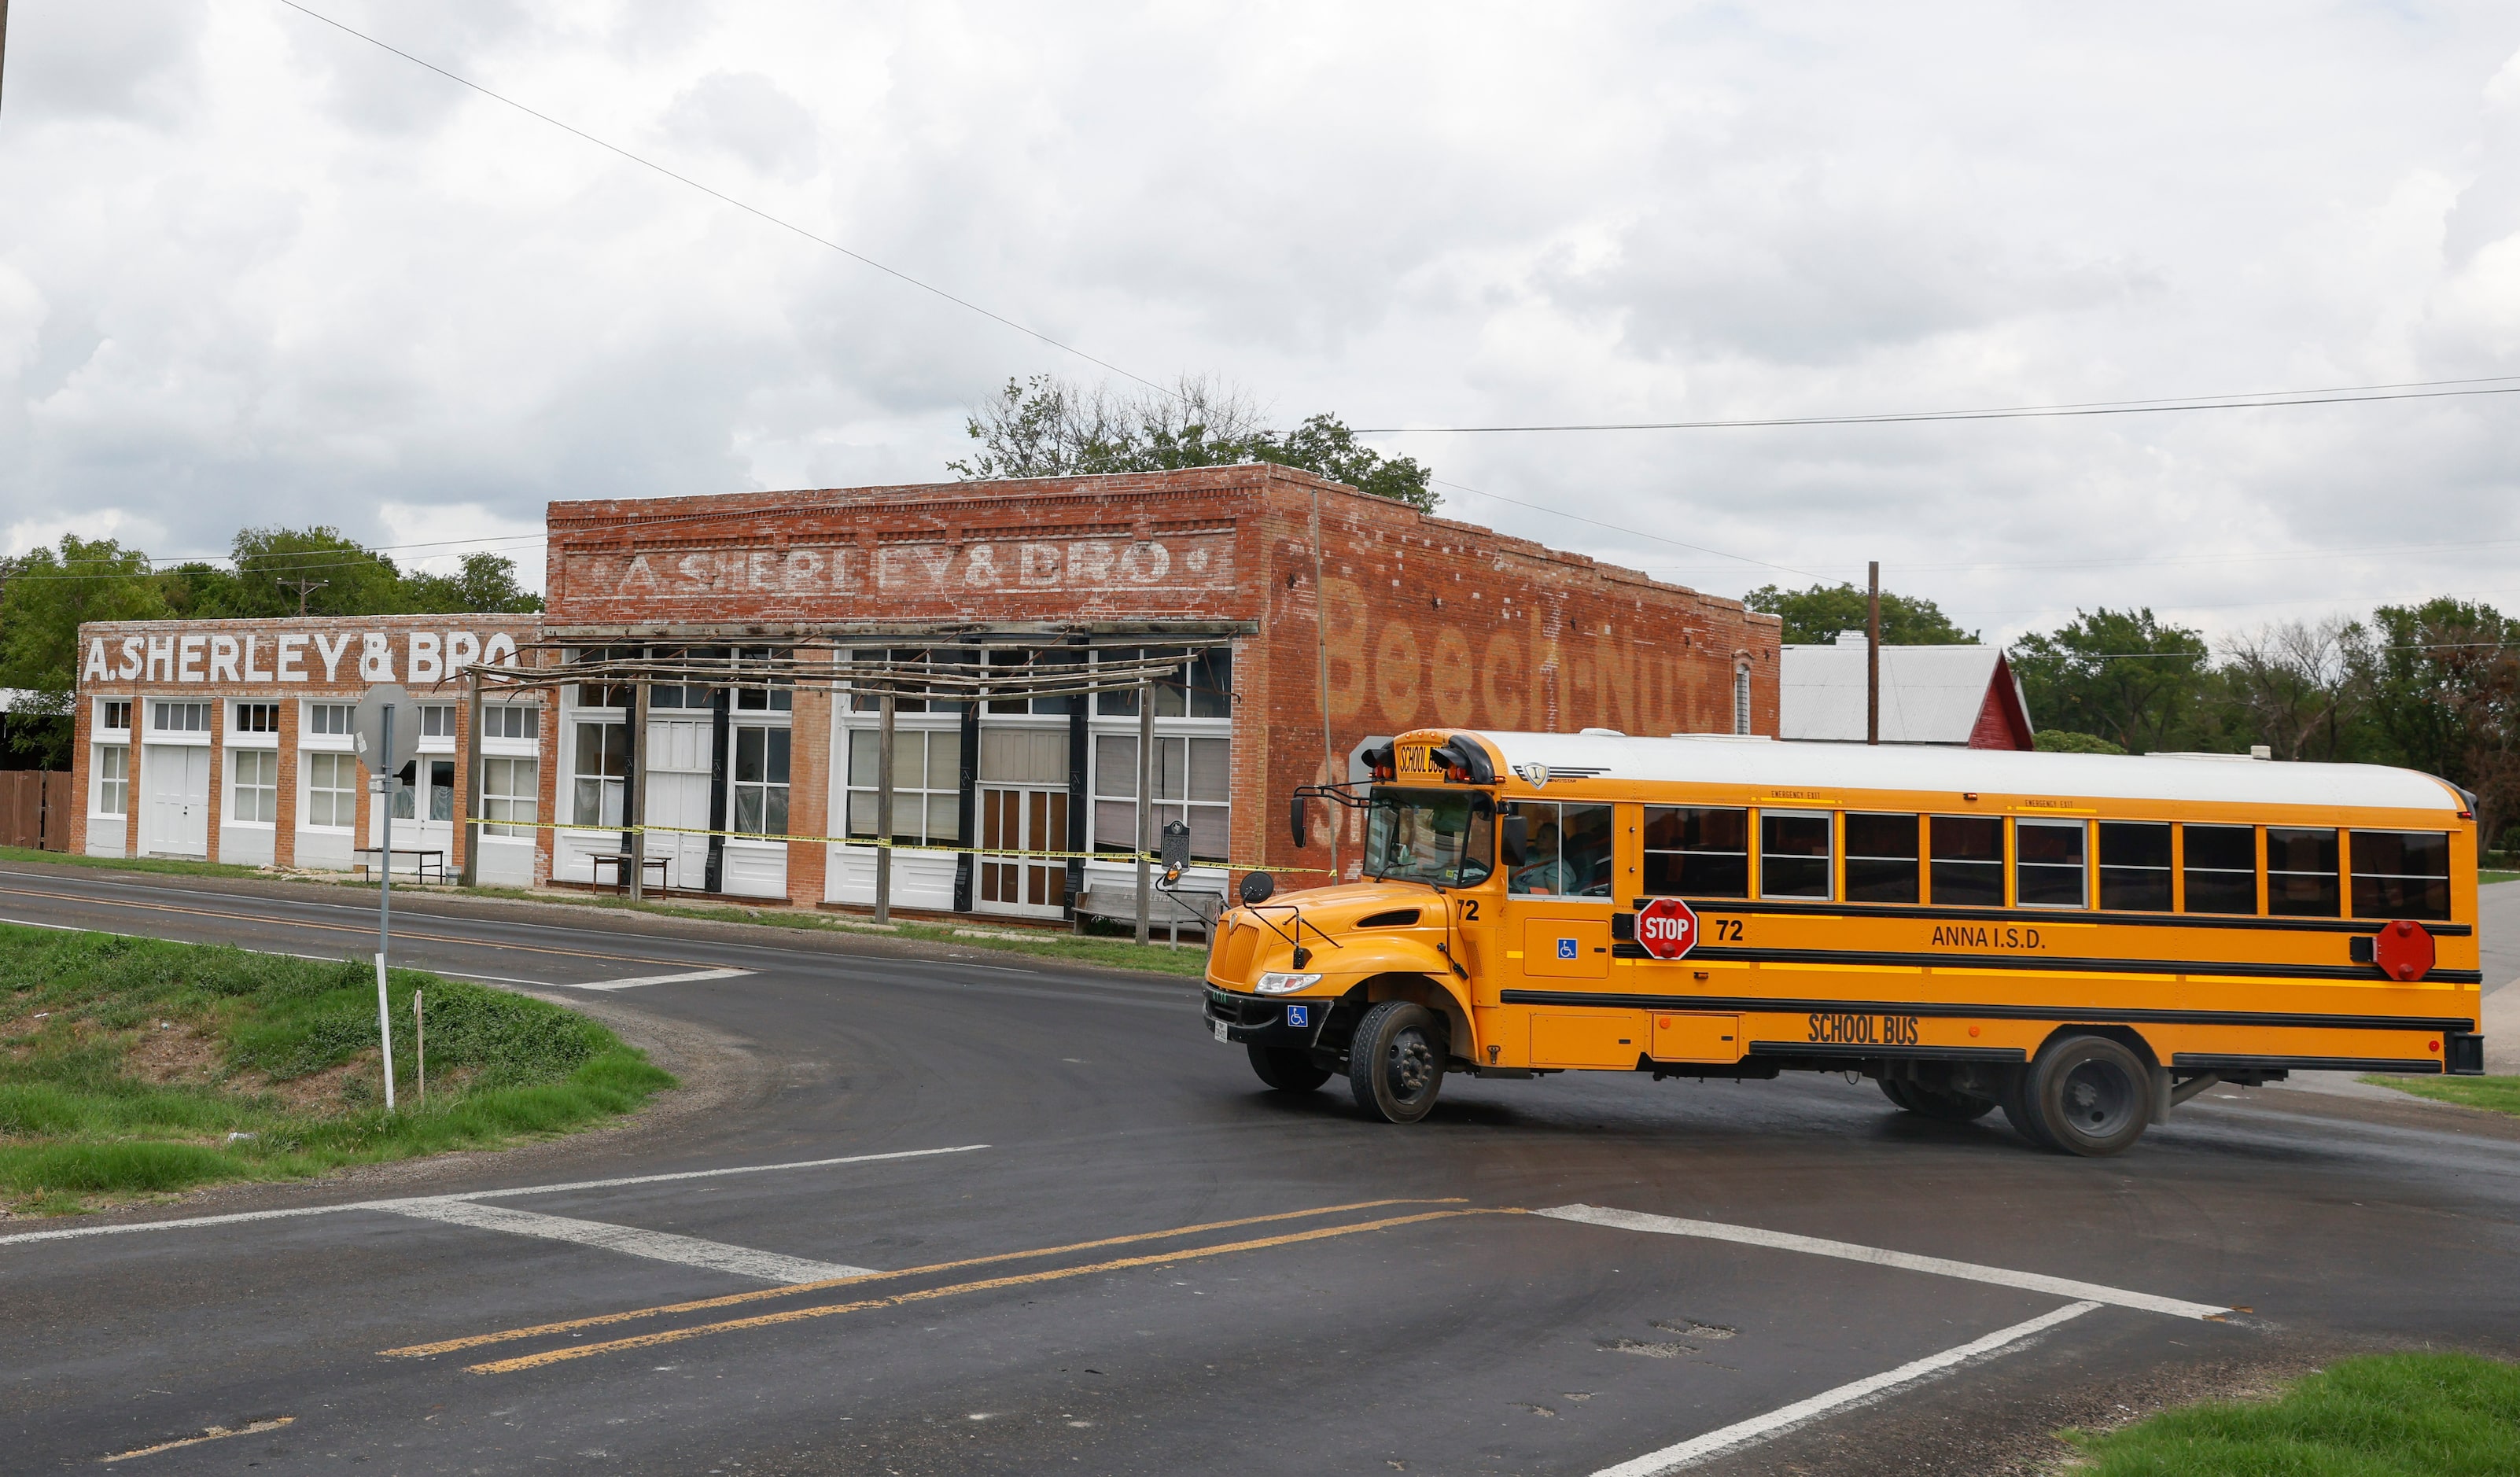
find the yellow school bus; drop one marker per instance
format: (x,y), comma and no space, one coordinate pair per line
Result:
(2083,940)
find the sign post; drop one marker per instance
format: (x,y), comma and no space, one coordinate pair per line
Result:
(372,727)
(1667,928)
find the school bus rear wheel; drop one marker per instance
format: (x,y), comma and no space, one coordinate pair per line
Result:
(2090,1096)
(1396,1062)
(1288,1069)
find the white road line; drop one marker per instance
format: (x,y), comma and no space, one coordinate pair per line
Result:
(693,977)
(399,1201)
(1751,1235)
(321,958)
(631,1240)
(1672,1459)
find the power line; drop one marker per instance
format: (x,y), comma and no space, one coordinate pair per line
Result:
(1631,532)
(720,195)
(2419,389)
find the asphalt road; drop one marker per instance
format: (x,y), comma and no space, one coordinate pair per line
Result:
(1059,1293)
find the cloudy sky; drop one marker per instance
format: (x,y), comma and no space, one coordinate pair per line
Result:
(255,270)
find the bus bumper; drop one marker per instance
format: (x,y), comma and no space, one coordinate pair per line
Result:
(2463,1054)
(1258,1020)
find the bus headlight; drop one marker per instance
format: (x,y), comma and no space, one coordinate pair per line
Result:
(1278,982)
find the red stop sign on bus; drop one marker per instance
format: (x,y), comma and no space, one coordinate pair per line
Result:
(1666,927)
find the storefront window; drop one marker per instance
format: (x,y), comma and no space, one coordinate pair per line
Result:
(602,765)
(760,793)
(778,697)
(511,791)
(114,778)
(1201,687)
(1193,784)
(331,790)
(508,720)
(926,785)
(254,791)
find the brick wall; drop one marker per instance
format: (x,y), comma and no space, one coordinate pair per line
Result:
(283,662)
(1400,620)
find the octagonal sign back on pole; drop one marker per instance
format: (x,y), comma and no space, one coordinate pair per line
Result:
(1667,928)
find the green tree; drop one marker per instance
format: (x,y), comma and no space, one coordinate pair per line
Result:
(1048,428)
(1815,616)
(2067,741)
(2443,681)
(486,585)
(278,568)
(2122,675)
(48,594)
(2295,686)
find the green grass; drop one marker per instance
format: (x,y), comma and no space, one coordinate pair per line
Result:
(2415,1415)
(127,1065)
(2497,876)
(129,864)
(2501,1094)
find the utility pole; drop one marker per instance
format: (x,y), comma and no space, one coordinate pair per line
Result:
(4,38)
(1872,658)
(301,584)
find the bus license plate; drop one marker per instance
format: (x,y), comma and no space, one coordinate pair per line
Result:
(1220,1032)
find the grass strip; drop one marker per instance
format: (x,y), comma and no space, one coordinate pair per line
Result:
(2382,1415)
(136,1067)
(2484,877)
(161,865)
(2501,1094)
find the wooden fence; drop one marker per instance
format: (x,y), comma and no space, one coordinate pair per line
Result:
(35,809)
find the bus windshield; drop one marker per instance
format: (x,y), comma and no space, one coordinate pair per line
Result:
(1447,837)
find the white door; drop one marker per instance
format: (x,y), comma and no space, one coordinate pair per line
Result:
(1023,807)
(178,782)
(423,816)
(677,759)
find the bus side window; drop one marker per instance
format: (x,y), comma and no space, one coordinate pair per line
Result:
(1569,855)
(2301,872)
(2135,866)
(1880,858)
(1589,832)
(2222,867)
(2047,863)
(1696,851)
(1793,854)
(2401,874)
(1967,854)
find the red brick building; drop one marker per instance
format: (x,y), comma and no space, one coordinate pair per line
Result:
(1309,617)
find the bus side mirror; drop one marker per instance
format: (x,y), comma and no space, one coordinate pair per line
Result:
(1296,819)
(1513,836)
(1257,888)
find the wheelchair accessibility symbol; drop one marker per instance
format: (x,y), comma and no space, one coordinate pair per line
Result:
(1566,948)
(1299,1016)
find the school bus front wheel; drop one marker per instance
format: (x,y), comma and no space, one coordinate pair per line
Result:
(1396,1062)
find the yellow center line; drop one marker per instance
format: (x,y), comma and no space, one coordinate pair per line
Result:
(434,938)
(699,1305)
(988,1285)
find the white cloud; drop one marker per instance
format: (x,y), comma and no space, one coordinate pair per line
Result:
(260,272)
(47,533)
